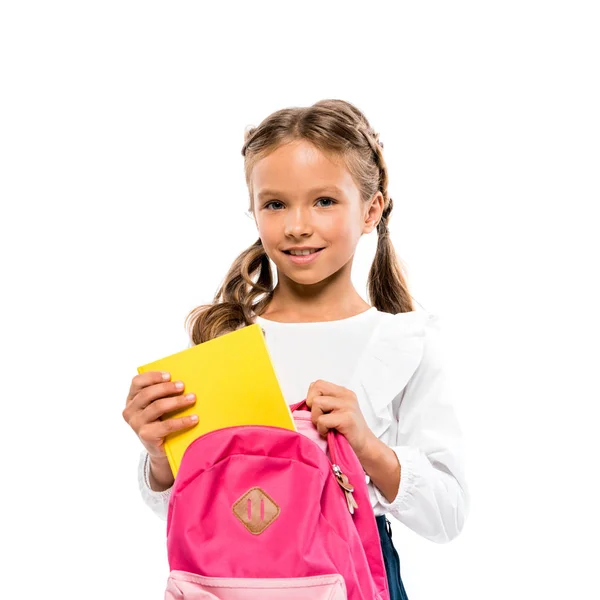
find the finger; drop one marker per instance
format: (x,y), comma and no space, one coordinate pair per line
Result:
(177,424)
(315,414)
(310,394)
(323,405)
(327,422)
(163,406)
(148,395)
(155,432)
(326,388)
(317,389)
(317,409)
(134,408)
(327,403)
(143,380)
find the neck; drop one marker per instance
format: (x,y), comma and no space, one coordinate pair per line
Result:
(323,301)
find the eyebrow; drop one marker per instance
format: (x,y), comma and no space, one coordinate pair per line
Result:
(328,188)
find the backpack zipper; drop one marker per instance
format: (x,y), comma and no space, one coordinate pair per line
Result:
(342,479)
(347,488)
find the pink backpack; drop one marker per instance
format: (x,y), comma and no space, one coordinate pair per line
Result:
(260,512)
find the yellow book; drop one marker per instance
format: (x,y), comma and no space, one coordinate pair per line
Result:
(234,382)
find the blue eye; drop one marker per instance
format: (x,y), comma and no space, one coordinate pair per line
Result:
(330,199)
(268,204)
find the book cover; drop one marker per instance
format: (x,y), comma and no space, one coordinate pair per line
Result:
(234,382)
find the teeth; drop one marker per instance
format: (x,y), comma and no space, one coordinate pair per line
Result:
(302,252)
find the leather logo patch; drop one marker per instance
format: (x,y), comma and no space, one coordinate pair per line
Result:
(256,510)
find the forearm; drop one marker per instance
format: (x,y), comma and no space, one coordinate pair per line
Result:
(160,477)
(381,464)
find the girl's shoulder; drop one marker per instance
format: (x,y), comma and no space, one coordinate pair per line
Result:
(398,340)
(414,322)
(398,345)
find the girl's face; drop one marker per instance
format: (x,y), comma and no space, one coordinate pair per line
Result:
(303,199)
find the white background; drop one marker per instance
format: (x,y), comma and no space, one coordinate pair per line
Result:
(123,205)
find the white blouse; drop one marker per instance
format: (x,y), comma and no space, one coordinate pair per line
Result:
(394,364)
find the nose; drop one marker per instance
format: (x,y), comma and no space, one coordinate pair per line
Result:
(298,222)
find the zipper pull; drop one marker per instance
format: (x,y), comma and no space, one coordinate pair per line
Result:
(347,487)
(343,481)
(351,502)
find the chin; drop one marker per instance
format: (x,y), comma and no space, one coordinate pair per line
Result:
(308,277)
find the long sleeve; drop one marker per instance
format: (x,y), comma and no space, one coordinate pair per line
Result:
(157,501)
(433,499)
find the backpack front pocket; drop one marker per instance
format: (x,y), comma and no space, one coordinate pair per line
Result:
(189,586)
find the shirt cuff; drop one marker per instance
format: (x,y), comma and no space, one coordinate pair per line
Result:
(144,480)
(408,458)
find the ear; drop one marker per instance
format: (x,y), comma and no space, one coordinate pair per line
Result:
(373,213)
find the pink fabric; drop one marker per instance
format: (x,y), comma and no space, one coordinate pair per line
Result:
(314,534)
(196,587)
(304,425)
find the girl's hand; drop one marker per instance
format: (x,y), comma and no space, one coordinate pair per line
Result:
(151,396)
(336,407)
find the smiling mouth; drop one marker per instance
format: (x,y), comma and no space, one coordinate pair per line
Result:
(303,259)
(303,254)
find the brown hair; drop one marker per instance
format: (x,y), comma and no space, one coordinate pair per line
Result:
(336,128)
